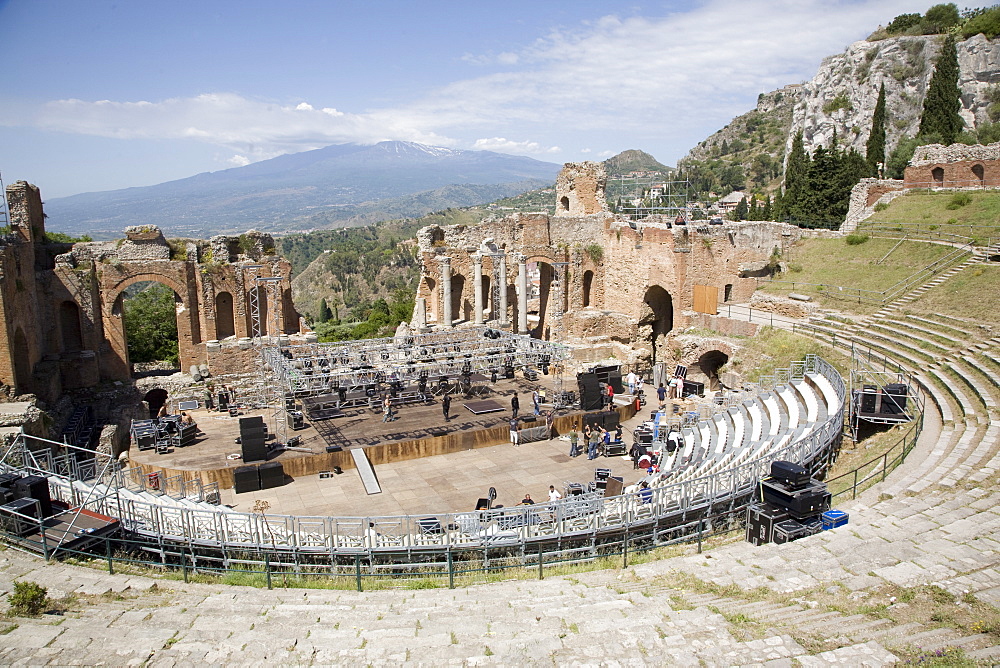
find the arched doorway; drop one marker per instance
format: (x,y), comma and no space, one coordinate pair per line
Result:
(588,284)
(937,175)
(980,173)
(225,320)
(487,299)
(432,300)
(155,399)
(460,309)
(709,365)
(69,327)
(262,309)
(659,318)
(564,203)
(148,311)
(22,363)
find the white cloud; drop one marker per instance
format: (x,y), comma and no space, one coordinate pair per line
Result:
(239,161)
(502,145)
(584,150)
(637,80)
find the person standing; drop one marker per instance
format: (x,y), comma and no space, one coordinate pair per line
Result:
(574,438)
(554,494)
(386,409)
(446,407)
(631,380)
(611,396)
(661,395)
(514,403)
(515,438)
(595,438)
(536,402)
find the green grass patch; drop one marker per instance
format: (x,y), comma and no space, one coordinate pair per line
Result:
(774,348)
(833,271)
(969,294)
(969,214)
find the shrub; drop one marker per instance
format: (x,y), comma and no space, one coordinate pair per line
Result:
(856,239)
(29,599)
(595,251)
(958,200)
(794,267)
(881,206)
(839,102)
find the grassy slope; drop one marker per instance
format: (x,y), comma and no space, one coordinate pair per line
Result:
(973,293)
(928,212)
(834,263)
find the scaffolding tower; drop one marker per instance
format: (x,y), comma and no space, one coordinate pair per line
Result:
(880,391)
(639,197)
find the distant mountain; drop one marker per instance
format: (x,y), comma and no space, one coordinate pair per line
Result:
(633,160)
(333,186)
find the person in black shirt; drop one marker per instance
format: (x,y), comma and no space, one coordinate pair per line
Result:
(446,407)
(514,403)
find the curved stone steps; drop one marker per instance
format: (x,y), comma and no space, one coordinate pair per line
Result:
(954,329)
(924,345)
(939,338)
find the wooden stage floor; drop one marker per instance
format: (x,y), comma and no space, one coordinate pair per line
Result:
(442,483)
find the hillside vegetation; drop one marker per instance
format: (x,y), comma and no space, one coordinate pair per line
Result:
(973,214)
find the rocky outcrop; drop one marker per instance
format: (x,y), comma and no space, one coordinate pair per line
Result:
(841,98)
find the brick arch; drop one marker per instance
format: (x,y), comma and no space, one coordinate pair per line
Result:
(547,295)
(188,322)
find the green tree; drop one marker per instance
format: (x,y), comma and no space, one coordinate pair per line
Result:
(151,325)
(941,105)
(742,209)
(875,148)
(939,18)
(900,157)
(767,210)
(325,314)
(796,179)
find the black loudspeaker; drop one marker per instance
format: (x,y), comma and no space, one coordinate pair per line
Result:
(35,487)
(246,479)
(894,399)
(869,398)
(692,387)
(334,448)
(615,380)
(611,420)
(7,480)
(254,449)
(250,423)
(590,391)
(298,420)
(272,475)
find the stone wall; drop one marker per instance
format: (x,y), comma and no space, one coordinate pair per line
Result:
(580,189)
(955,166)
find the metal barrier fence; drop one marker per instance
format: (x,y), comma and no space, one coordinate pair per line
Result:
(577,529)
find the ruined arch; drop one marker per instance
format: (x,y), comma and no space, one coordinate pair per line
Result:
(432,300)
(937,176)
(979,172)
(461,309)
(225,318)
(155,399)
(709,364)
(588,286)
(564,203)
(262,310)
(70,330)
(659,318)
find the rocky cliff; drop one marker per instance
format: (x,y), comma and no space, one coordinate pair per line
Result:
(841,97)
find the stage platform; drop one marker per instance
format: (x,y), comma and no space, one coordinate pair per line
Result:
(422,462)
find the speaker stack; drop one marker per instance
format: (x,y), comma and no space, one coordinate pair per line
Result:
(272,475)
(791,505)
(35,487)
(253,434)
(246,479)
(590,391)
(12,518)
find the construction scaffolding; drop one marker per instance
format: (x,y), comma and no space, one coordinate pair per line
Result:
(639,197)
(880,391)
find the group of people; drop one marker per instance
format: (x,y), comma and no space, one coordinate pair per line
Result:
(673,390)
(594,437)
(554,495)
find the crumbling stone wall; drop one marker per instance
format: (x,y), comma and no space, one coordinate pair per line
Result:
(580,189)
(610,263)
(62,308)
(955,166)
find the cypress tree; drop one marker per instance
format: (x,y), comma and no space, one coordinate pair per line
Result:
(875,149)
(741,210)
(325,314)
(796,179)
(939,117)
(766,211)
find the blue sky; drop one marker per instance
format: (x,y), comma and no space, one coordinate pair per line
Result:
(103,95)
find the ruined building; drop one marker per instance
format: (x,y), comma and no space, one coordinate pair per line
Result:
(615,286)
(62,303)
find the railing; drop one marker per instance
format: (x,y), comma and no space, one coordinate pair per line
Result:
(875,470)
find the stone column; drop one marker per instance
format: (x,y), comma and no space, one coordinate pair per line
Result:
(445,319)
(522,294)
(477,261)
(502,282)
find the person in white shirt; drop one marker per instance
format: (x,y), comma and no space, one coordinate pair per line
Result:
(631,379)
(554,494)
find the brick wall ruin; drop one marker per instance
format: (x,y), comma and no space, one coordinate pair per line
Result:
(62,303)
(599,280)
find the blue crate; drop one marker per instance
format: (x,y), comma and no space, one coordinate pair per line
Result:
(831,519)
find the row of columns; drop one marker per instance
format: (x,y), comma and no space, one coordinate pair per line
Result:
(447,316)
